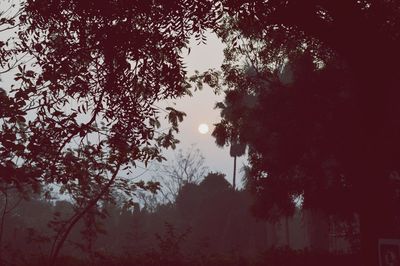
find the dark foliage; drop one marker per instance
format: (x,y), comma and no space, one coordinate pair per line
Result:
(82,110)
(318,114)
(194,231)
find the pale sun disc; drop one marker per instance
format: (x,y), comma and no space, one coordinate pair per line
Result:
(203,128)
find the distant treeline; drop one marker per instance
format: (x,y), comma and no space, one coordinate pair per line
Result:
(207,222)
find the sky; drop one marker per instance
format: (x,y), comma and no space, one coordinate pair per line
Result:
(200,109)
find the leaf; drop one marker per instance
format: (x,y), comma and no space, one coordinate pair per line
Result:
(20,119)
(38,47)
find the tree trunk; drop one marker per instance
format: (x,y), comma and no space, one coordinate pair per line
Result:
(234,173)
(62,237)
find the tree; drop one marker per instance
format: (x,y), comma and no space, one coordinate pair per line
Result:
(83,111)
(329,135)
(200,207)
(12,134)
(232,230)
(187,168)
(237,148)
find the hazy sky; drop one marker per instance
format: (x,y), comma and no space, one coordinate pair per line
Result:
(200,109)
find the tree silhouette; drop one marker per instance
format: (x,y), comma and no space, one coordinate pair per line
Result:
(187,168)
(229,108)
(83,110)
(323,126)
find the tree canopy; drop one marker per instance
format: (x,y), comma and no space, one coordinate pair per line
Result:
(316,103)
(81,112)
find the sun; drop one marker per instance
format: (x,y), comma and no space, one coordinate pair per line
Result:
(203,128)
